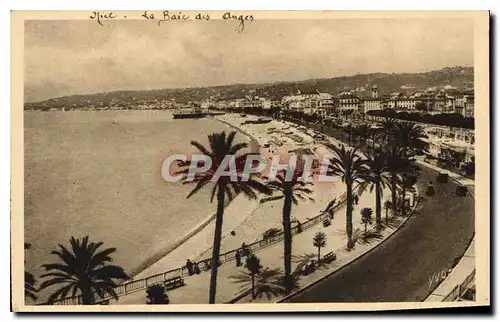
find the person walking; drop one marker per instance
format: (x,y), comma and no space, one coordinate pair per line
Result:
(189,266)
(196,269)
(237,256)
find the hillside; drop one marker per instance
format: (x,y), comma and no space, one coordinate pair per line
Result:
(459,77)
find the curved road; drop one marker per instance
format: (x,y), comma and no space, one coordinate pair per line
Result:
(400,268)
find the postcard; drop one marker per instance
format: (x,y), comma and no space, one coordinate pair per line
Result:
(249,160)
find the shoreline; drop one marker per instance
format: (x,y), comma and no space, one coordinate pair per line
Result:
(145,264)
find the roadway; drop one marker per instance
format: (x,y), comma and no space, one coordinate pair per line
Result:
(401,268)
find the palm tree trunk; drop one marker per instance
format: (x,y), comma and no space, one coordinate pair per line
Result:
(253,286)
(378,206)
(366,223)
(87,296)
(386,216)
(348,221)
(216,245)
(403,209)
(394,194)
(287,232)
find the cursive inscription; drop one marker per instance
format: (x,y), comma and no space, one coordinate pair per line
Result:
(240,18)
(99,17)
(170,16)
(437,277)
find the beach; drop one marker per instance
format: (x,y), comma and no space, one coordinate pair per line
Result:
(98,173)
(149,221)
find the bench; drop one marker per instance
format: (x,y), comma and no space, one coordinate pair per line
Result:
(105,302)
(330,257)
(173,283)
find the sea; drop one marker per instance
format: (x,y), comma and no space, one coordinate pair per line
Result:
(98,174)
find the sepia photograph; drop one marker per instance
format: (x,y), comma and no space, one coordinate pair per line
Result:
(249,161)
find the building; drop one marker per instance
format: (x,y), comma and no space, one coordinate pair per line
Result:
(445,142)
(465,105)
(347,102)
(370,104)
(310,103)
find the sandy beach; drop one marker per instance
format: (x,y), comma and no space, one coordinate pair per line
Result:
(248,219)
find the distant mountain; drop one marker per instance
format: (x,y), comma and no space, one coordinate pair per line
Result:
(455,77)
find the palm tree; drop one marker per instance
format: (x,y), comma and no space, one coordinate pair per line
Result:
(363,133)
(347,164)
(156,294)
(387,206)
(291,191)
(388,130)
(366,217)
(83,269)
(29,281)
(268,283)
(319,241)
(395,166)
(254,268)
(409,137)
(221,146)
(377,176)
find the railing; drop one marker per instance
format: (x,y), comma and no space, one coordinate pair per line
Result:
(460,289)
(142,284)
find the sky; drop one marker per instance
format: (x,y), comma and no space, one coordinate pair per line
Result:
(66,57)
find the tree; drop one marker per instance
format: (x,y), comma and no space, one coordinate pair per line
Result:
(348,165)
(156,294)
(84,270)
(409,137)
(388,130)
(377,175)
(221,146)
(409,172)
(29,281)
(291,191)
(366,217)
(319,241)
(387,206)
(268,283)
(363,133)
(395,165)
(254,268)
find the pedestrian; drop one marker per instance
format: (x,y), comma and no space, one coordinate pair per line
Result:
(237,256)
(197,270)
(189,266)
(356,199)
(244,249)
(299,227)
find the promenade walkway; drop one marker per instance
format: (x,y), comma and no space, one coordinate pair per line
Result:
(401,269)
(196,289)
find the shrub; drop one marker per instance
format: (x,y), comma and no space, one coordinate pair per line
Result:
(156,295)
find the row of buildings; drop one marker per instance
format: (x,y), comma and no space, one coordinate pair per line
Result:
(431,101)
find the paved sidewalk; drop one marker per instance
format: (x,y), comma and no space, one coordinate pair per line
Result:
(457,276)
(432,239)
(196,289)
